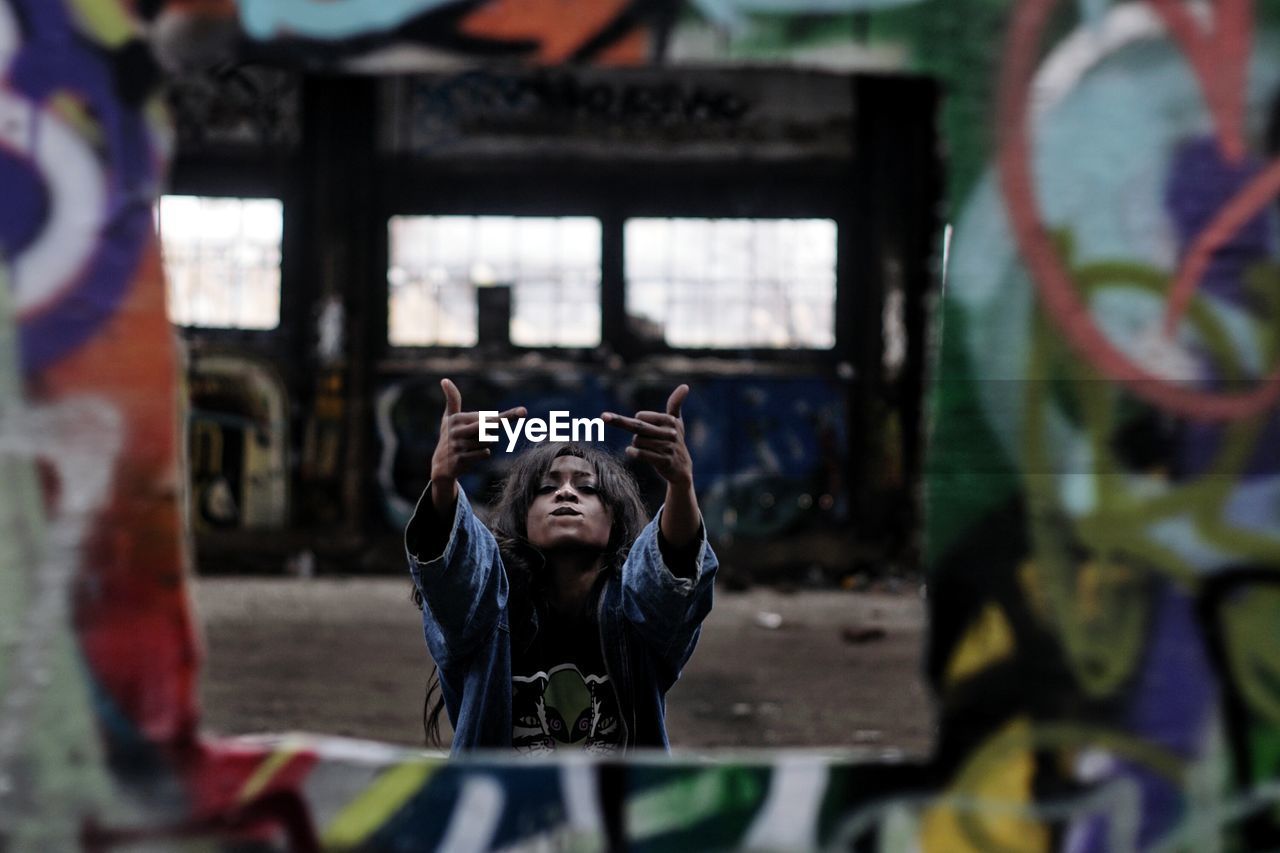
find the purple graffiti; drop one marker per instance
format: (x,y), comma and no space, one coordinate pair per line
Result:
(59,309)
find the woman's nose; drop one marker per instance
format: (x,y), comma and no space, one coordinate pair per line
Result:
(567,493)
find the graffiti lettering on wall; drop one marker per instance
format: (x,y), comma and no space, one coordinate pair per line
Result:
(702,114)
(237,444)
(768,453)
(480,100)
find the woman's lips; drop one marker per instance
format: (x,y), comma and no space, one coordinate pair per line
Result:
(564,510)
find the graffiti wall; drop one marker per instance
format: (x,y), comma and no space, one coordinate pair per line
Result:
(87,424)
(1103,531)
(237,436)
(768,453)
(1104,495)
(389,35)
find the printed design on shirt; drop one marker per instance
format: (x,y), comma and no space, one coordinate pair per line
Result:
(563,709)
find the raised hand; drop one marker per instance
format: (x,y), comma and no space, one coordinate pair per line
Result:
(459,447)
(658,438)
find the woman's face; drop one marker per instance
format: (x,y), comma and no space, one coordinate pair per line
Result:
(567,509)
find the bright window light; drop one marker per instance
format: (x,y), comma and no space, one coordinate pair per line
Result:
(222,260)
(552,265)
(732,283)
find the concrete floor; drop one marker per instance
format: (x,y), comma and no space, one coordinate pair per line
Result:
(345,657)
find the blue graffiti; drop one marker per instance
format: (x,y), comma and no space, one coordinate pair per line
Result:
(55,57)
(268,19)
(768,453)
(732,14)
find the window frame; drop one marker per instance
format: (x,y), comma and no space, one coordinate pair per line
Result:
(202,328)
(613,194)
(248,177)
(515,348)
(760,349)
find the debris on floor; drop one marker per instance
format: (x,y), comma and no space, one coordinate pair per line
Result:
(862,633)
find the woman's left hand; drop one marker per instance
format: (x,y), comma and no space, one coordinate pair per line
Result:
(659,439)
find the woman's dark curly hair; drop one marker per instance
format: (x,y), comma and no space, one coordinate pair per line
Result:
(508,520)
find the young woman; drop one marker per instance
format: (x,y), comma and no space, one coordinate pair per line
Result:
(562,624)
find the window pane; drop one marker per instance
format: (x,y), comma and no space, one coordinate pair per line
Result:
(728,283)
(222,260)
(551,263)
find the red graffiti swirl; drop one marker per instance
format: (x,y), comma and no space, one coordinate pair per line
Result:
(1220,60)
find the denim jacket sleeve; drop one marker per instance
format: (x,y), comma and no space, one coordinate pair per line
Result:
(665,609)
(464,588)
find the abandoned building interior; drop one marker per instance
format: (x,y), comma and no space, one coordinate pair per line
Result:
(976,305)
(571,238)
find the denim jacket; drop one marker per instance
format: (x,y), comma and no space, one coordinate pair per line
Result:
(649,624)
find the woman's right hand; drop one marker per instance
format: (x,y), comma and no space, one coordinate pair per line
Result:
(458,449)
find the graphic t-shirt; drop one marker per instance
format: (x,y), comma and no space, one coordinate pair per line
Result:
(562,698)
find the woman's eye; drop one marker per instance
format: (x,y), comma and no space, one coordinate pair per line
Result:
(545,490)
(587,489)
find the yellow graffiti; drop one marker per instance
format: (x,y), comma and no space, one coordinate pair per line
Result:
(989,639)
(377,803)
(1005,778)
(105,21)
(70,107)
(990,806)
(266,771)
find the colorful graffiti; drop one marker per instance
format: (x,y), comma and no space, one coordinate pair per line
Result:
(90,510)
(355,33)
(236,444)
(1106,414)
(1104,484)
(835,35)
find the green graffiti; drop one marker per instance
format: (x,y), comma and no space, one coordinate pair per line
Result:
(1094,567)
(1250,621)
(968,472)
(686,802)
(1264,752)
